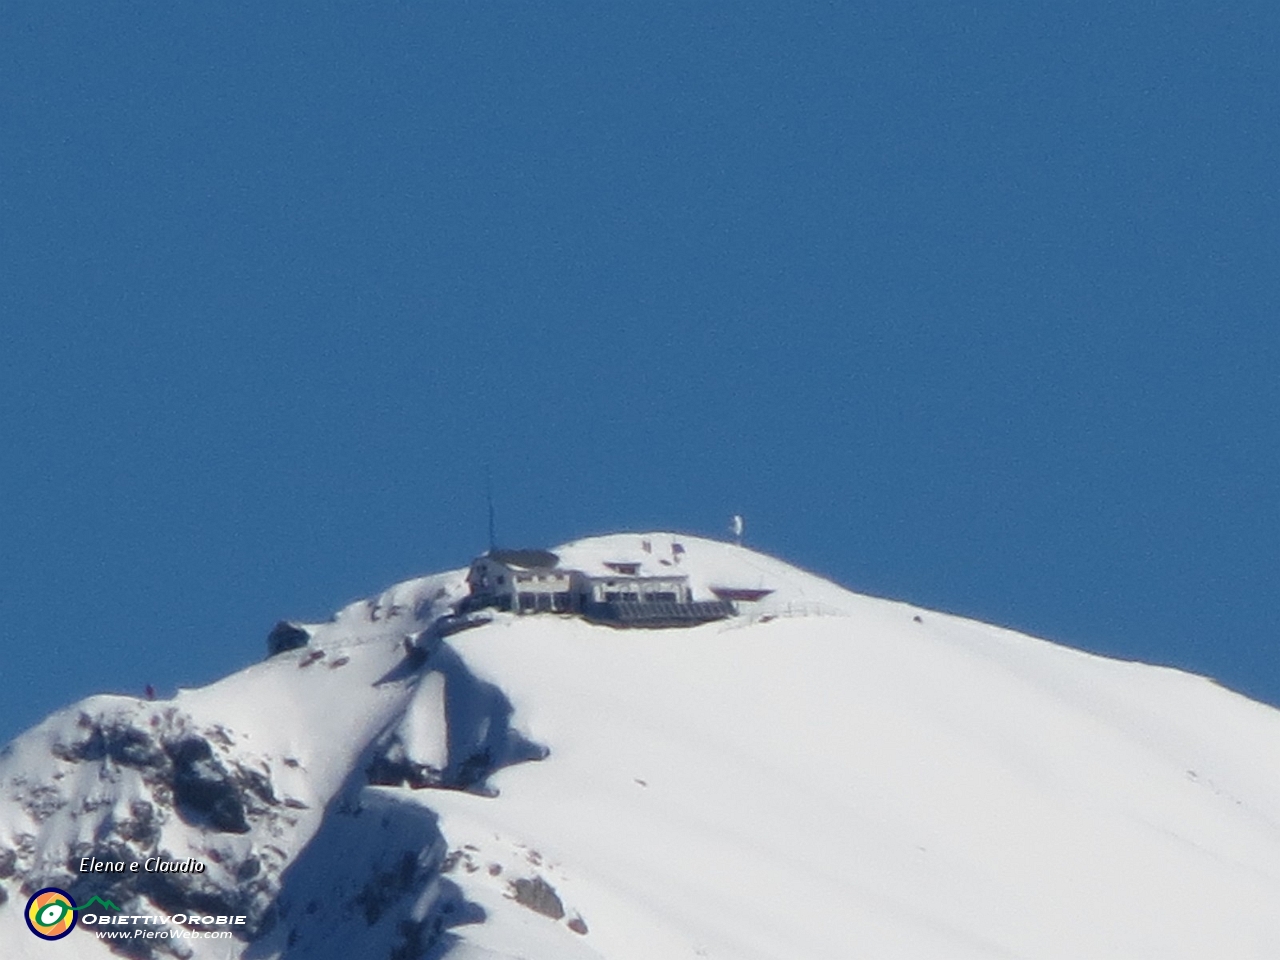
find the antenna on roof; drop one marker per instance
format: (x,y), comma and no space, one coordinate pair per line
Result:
(488,490)
(737,525)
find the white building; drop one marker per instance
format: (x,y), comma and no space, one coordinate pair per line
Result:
(526,581)
(619,591)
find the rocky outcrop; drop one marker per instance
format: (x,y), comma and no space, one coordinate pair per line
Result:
(203,791)
(286,636)
(162,769)
(379,858)
(538,895)
(113,739)
(181,767)
(471,733)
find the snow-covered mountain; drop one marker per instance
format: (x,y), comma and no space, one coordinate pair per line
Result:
(824,775)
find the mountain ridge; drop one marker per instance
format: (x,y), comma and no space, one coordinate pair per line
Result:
(826,774)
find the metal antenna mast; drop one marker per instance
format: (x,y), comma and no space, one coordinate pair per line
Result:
(488,489)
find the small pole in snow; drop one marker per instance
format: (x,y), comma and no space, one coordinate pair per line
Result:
(737,524)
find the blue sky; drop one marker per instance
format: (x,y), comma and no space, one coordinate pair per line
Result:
(972,307)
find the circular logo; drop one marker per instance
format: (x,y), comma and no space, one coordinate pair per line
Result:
(51,913)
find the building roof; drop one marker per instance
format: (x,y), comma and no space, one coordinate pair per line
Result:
(525,559)
(742,594)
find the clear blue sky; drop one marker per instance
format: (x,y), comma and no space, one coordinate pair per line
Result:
(975,307)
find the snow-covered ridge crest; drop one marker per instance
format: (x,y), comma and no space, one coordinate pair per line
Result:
(822,775)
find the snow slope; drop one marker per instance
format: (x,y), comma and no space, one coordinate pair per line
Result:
(827,775)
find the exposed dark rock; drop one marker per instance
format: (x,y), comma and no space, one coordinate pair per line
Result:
(286,636)
(539,896)
(202,789)
(142,826)
(120,742)
(4,895)
(578,925)
(248,868)
(43,801)
(162,792)
(311,658)
(7,860)
(184,773)
(392,769)
(26,845)
(256,783)
(220,735)
(474,770)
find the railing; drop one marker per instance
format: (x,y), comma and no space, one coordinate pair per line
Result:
(792,608)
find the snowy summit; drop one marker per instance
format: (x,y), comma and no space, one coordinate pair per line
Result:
(649,747)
